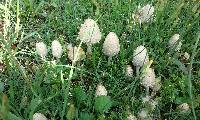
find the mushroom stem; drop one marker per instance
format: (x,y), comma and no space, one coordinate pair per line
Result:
(109,60)
(147,90)
(89,48)
(137,70)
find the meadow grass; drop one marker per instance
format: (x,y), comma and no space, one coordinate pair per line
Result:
(66,90)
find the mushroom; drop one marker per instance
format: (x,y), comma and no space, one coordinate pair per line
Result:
(140,56)
(131,117)
(174,42)
(144,14)
(184,107)
(129,71)
(101,90)
(41,49)
(89,33)
(148,78)
(111,46)
(56,49)
(143,114)
(39,116)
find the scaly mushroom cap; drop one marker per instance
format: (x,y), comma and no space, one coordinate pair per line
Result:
(144,14)
(39,116)
(143,114)
(140,56)
(41,49)
(89,32)
(56,49)
(129,71)
(101,90)
(184,107)
(149,78)
(174,42)
(111,46)
(131,117)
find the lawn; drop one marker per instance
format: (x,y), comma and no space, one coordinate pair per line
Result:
(99,60)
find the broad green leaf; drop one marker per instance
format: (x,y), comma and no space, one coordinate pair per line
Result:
(102,104)
(80,95)
(71,112)
(86,116)
(33,105)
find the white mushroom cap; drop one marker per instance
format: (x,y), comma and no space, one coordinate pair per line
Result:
(174,42)
(148,78)
(144,14)
(143,114)
(101,90)
(184,107)
(187,55)
(146,99)
(140,56)
(56,49)
(89,32)
(131,117)
(39,116)
(111,46)
(41,49)
(129,71)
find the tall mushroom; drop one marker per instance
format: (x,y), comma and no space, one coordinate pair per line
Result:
(111,46)
(89,33)
(140,56)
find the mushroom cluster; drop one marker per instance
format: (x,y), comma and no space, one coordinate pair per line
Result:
(56,47)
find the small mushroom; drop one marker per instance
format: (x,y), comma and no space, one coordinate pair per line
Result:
(131,117)
(39,116)
(143,114)
(129,71)
(56,49)
(41,49)
(149,78)
(174,42)
(101,90)
(184,107)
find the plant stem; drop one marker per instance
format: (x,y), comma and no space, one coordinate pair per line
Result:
(190,75)
(65,86)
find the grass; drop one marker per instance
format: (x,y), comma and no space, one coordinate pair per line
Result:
(67,90)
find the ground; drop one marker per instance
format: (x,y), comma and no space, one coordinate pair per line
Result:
(29,84)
